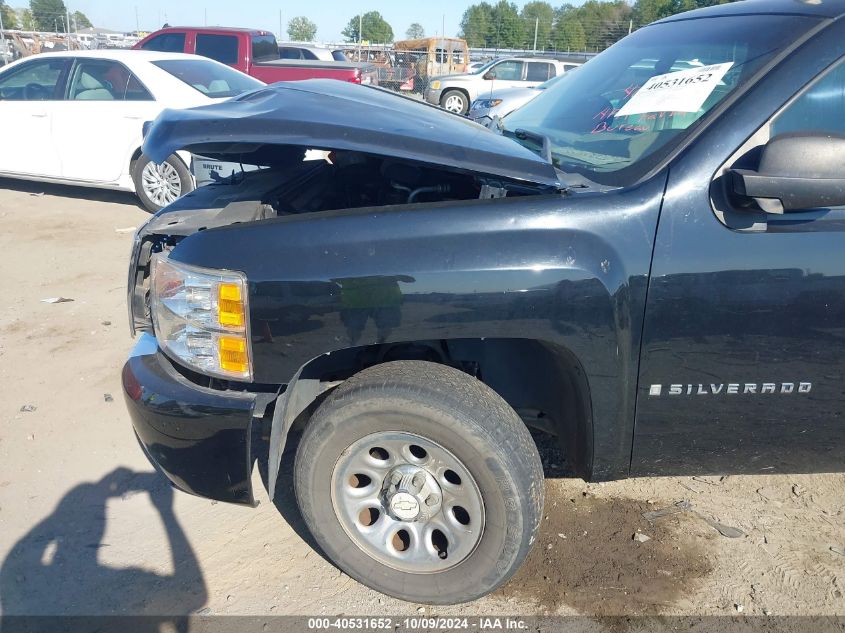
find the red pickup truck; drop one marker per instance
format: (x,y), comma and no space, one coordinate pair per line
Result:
(253,52)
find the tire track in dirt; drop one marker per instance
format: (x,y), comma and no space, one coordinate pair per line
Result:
(586,558)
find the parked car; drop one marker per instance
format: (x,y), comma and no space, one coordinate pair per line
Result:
(76,117)
(298,50)
(255,53)
(456,92)
(645,267)
(500,103)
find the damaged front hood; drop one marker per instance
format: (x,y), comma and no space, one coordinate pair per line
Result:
(336,115)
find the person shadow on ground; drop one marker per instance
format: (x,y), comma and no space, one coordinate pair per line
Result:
(54,569)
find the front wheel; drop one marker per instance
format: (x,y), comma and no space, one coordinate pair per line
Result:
(420,482)
(159,184)
(455,101)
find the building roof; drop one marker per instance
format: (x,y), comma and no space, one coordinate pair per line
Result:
(93,30)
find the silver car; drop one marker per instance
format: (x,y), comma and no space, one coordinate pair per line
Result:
(502,102)
(456,92)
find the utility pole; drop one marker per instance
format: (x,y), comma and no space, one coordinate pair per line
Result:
(137,21)
(281,33)
(360,34)
(443,27)
(630,26)
(67,23)
(536,26)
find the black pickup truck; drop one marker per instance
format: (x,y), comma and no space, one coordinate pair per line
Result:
(643,265)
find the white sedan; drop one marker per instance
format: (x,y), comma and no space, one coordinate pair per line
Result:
(77,117)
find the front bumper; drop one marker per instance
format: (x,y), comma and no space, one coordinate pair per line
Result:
(198,437)
(433,96)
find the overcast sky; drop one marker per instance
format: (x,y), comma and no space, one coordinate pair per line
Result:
(331,16)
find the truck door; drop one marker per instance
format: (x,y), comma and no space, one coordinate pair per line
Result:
(219,47)
(743,353)
(168,42)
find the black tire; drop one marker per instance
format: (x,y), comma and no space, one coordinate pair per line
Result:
(455,95)
(464,416)
(186,181)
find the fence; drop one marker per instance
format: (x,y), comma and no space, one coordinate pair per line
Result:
(15,43)
(409,70)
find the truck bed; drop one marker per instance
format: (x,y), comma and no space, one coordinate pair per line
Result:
(317,63)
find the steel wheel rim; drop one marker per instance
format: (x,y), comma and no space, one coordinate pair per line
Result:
(161,183)
(450,511)
(454,104)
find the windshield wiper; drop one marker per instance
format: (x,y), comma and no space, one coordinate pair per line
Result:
(544,141)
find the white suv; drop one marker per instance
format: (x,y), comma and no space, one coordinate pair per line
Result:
(456,92)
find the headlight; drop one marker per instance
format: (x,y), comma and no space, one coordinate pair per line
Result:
(486,103)
(435,85)
(200,317)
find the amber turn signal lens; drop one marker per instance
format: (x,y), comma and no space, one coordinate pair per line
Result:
(230,305)
(233,354)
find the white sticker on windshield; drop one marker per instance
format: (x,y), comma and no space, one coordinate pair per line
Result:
(681,91)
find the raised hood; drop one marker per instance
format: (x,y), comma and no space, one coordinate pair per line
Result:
(330,114)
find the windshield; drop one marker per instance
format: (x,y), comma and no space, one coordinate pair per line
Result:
(215,81)
(626,109)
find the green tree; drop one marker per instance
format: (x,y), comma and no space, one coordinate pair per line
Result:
(477,25)
(373,28)
(10,18)
(25,19)
(415,31)
(49,15)
(79,20)
(509,28)
(604,23)
(301,29)
(646,11)
(568,33)
(540,15)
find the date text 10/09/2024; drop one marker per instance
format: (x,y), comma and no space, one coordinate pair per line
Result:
(418,624)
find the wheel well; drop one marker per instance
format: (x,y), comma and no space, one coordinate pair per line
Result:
(543,382)
(135,156)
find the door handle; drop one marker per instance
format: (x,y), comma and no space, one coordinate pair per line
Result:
(133,118)
(40,115)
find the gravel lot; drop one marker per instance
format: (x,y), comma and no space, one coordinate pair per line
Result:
(86,527)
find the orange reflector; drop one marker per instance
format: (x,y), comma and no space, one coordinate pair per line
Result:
(233,354)
(230,305)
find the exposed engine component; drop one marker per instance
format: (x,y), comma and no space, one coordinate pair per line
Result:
(349,180)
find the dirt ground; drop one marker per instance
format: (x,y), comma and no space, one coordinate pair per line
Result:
(86,527)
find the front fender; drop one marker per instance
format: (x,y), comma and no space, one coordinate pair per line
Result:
(568,270)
